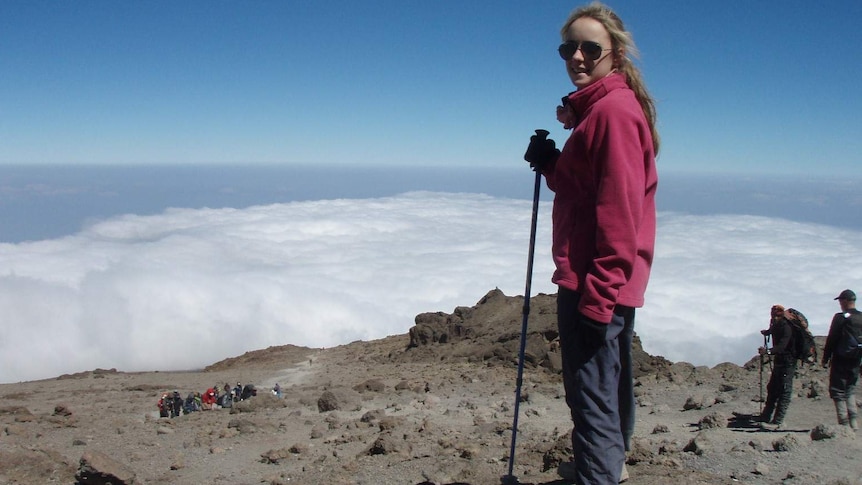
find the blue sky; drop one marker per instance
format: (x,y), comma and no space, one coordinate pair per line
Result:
(741,86)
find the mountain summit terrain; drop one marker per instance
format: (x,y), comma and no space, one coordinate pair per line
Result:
(434,406)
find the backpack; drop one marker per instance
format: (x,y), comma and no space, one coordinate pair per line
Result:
(849,345)
(804,348)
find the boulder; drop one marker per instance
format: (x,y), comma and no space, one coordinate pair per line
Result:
(98,468)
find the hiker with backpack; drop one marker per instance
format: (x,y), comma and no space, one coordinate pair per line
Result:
(843,351)
(780,386)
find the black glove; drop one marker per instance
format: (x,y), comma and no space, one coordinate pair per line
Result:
(765,332)
(542,151)
(592,333)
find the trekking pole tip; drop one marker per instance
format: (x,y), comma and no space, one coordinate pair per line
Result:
(509,480)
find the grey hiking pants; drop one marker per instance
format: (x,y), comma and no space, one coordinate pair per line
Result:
(599,391)
(843,376)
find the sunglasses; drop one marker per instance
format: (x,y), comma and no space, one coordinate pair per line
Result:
(591,50)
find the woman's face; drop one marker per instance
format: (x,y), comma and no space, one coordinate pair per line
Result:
(582,69)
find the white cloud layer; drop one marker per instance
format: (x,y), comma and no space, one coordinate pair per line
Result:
(189,287)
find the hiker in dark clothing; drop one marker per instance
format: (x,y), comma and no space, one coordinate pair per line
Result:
(844,371)
(176,404)
(780,386)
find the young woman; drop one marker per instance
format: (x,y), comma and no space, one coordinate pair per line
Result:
(604,224)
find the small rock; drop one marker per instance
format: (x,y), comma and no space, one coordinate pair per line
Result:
(298,449)
(699,445)
(761,469)
(786,443)
(228,433)
(274,456)
(402,386)
(756,445)
(16,430)
(178,463)
(244,426)
(714,420)
(95,467)
(469,451)
(327,402)
(373,416)
(62,410)
(388,423)
(830,431)
(386,444)
(640,452)
(371,385)
(696,402)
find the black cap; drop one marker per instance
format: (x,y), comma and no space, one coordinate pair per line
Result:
(846,295)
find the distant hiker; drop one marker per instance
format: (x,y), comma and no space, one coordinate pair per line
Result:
(225,400)
(237,392)
(604,223)
(176,404)
(780,387)
(190,406)
(843,352)
(164,406)
(227,389)
(277,390)
(209,399)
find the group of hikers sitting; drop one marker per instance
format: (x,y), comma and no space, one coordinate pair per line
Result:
(173,405)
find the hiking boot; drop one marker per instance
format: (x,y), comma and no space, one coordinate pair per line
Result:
(568,471)
(854,423)
(772,426)
(841,412)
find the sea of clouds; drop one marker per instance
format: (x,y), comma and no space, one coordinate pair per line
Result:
(189,287)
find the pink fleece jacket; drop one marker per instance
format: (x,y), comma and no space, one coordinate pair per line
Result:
(604,218)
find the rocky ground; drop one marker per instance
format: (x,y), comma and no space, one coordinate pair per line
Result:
(431,407)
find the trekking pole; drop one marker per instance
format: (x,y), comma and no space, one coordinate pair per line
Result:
(510,479)
(761,374)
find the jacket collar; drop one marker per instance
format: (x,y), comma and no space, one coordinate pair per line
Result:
(583,98)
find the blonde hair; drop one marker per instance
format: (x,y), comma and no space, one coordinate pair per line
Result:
(623,46)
